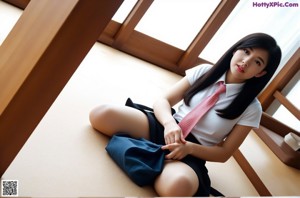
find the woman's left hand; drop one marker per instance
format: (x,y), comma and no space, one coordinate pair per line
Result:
(177,150)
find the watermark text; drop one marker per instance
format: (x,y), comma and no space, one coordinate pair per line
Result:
(275,4)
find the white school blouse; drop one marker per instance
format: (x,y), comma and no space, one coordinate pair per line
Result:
(212,129)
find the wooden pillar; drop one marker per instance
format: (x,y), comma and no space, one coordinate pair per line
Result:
(212,25)
(38,57)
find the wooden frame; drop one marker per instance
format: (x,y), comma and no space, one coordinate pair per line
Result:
(158,52)
(287,104)
(52,59)
(281,80)
(212,25)
(123,37)
(130,22)
(18,3)
(251,174)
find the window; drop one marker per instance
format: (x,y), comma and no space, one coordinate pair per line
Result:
(124,10)
(246,18)
(176,22)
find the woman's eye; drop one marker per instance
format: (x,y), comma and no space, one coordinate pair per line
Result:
(258,63)
(246,51)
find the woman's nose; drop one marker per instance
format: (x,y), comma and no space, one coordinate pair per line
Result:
(244,64)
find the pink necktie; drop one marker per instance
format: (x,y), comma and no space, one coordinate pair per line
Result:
(191,119)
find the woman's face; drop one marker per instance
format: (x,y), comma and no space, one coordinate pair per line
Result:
(247,63)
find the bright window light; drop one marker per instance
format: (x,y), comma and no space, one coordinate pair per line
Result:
(176,22)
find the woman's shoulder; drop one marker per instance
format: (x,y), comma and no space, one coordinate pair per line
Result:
(256,103)
(251,116)
(255,107)
(200,68)
(194,73)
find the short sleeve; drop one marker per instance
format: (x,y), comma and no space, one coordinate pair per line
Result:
(196,72)
(252,115)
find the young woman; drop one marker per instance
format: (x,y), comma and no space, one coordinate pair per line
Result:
(245,69)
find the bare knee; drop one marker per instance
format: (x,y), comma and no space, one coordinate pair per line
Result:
(101,116)
(97,113)
(110,119)
(177,184)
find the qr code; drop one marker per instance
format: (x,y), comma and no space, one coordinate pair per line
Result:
(9,188)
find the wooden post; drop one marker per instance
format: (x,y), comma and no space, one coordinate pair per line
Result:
(251,174)
(37,59)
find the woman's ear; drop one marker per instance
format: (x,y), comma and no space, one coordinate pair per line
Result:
(260,74)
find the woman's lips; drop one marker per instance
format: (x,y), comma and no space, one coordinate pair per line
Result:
(240,69)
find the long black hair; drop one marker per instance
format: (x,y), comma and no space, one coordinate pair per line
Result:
(252,87)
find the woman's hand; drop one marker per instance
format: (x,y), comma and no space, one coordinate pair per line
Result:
(173,134)
(177,150)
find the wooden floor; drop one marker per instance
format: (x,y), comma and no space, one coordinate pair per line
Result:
(65,157)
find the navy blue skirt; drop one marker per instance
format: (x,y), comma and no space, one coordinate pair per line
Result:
(157,136)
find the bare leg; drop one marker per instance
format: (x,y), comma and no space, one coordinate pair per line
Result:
(109,119)
(177,179)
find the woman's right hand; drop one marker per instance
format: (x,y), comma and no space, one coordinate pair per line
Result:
(173,134)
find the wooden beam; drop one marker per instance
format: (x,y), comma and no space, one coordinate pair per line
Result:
(38,58)
(131,21)
(251,174)
(152,50)
(287,104)
(275,125)
(18,3)
(123,37)
(206,33)
(281,80)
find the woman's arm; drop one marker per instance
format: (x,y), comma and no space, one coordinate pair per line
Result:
(218,153)
(162,111)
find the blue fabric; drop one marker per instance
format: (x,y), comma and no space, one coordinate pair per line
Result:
(140,159)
